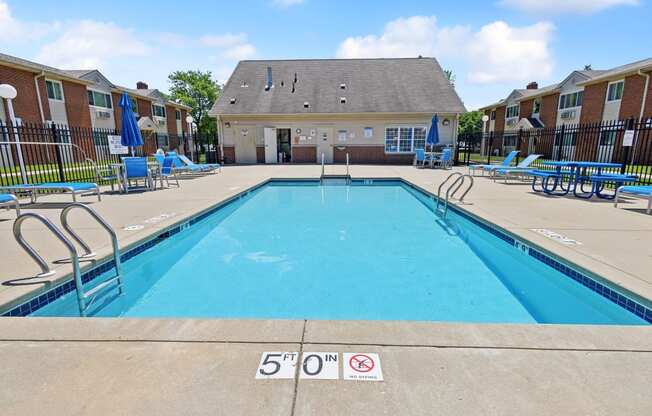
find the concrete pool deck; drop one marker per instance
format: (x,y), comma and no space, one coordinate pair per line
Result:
(207,367)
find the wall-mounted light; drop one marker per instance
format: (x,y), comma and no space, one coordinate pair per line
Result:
(298,131)
(227,125)
(244,132)
(446,122)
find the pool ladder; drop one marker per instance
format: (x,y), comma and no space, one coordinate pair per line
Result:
(84,299)
(346,178)
(460,179)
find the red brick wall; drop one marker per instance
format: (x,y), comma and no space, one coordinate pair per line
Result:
(370,154)
(77,110)
(630,106)
(500,118)
(526,108)
(303,154)
(184,125)
(260,154)
(229,154)
(44,98)
(548,114)
(171,119)
(117,111)
(593,102)
(144,108)
(26,103)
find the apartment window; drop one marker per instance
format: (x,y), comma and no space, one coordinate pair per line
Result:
(99,99)
(615,91)
(404,139)
(54,90)
(177,114)
(162,141)
(571,100)
(493,115)
(512,111)
(158,110)
(536,107)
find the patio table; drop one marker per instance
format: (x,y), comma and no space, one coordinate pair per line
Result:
(577,173)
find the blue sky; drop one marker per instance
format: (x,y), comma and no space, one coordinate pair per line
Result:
(491,46)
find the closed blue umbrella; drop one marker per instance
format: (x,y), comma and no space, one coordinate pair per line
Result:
(433,133)
(130,133)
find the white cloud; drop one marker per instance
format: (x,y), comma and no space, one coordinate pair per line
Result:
(232,45)
(496,52)
(90,44)
(286,3)
(500,53)
(16,30)
(565,6)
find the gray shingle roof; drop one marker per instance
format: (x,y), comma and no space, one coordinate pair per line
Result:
(622,70)
(405,85)
(14,60)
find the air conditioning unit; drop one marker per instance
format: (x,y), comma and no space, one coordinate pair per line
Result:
(568,114)
(103,114)
(161,122)
(511,122)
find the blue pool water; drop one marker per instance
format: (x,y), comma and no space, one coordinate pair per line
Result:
(301,250)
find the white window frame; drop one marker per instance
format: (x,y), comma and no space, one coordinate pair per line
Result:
(571,93)
(177,114)
(518,111)
(534,106)
(60,84)
(622,92)
(164,111)
(103,93)
(411,127)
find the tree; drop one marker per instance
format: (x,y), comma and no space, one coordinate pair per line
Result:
(450,76)
(471,122)
(199,91)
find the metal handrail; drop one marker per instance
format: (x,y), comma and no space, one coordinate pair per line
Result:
(347,164)
(454,187)
(322,164)
(459,179)
(442,185)
(461,199)
(81,301)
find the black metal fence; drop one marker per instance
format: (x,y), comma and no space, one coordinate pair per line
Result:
(61,153)
(628,142)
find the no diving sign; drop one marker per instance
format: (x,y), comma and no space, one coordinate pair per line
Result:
(358,366)
(319,365)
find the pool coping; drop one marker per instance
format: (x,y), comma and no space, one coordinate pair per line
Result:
(39,297)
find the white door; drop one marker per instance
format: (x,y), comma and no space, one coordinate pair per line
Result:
(324,145)
(271,154)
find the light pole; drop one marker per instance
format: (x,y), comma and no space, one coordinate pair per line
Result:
(189,120)
(485,118)
(8,92)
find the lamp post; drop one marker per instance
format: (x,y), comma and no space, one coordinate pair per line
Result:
(8,92)
(189,120)
(485,118)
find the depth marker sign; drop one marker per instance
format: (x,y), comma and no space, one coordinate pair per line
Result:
(362,366)
(277,365)
(320,365)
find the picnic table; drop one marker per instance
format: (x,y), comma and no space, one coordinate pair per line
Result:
(572,176)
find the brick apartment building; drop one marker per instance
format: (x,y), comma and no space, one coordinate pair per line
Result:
(583,97)
(85,99)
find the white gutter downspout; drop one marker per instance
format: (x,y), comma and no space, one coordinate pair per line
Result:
(220,136)
(647,84)
(38,95)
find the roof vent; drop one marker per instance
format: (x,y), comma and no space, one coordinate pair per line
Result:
(342,86)
(244,84)
(269,84)
(306,104)
(342,100)
(232,100)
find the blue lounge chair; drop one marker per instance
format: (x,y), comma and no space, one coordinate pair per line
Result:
(179,166)
(445,160)
(208,167)
(421,158)
(9,201)
(74,188)
(488,168)
(135,169)
(521,170)
(640,191)
(168,171)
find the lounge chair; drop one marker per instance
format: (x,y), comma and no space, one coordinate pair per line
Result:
(445,160)
(55,187)
(521,170)
(421,158)
(640,191)
(169,171)
(209,167)
(487,168)
(135,169)
(9,201)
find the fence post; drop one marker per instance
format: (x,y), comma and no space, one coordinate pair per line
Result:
(629,125)
(57,152)
(518,144)
(561,140)
(491,147)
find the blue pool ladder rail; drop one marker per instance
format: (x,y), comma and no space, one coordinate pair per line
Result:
(460,179)
(84,299)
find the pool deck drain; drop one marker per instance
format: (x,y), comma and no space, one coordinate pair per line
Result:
(156,366)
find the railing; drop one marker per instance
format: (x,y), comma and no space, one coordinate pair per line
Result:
(347,164)
(322,164)
(459,181)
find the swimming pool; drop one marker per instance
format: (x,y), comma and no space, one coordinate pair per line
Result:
(372,250)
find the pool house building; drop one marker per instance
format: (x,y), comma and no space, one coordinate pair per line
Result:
(375,110)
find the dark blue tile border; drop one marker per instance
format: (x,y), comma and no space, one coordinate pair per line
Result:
(601,289)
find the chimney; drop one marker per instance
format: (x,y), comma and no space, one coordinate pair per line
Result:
(141,85)
(532,85)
